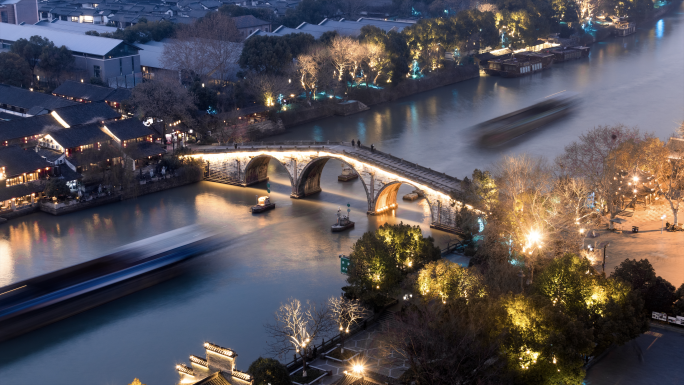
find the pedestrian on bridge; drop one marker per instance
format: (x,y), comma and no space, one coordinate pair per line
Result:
(235,145)
(358,143)
(372,148)
(353,143)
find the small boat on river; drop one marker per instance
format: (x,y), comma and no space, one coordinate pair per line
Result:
(347,174)
(343,222)
(505,128)
(263,204)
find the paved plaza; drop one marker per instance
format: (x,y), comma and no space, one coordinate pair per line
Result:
(653,358)
(374,357)
(664,251)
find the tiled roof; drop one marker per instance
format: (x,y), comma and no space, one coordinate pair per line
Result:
(128,129)
(20,190)
(27,99)
(248,21)
(217,378)
(25,127)
(80,136)
(144,149)
(119,95)
(84,113)
(17,161)
(84,91)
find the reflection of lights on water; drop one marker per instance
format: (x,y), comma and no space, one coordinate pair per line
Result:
(660,28)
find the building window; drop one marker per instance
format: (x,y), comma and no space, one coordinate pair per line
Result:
(4,18)
(88,19)
(74,19)
(96,71)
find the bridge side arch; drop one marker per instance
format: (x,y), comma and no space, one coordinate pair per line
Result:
(256,170)
(309,179)
(387,198)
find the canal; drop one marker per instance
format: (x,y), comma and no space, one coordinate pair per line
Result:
(228,295)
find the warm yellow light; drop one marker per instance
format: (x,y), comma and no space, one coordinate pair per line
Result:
(358,368)
(636,178)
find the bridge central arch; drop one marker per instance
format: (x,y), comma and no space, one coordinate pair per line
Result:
(256,170)
(387,198)
(309,180)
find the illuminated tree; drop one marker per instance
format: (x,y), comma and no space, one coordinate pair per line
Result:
(296,327)
(380,260)
(314,71)
(669,174)
(342,53)
(445,280)
(266,88)
(164,100)
(346,313)
(136,382)
(377,62)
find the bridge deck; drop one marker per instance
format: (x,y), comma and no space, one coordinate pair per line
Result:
(412,171)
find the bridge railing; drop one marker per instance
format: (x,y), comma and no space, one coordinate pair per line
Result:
(415,165)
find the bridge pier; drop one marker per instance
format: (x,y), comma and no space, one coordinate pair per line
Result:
(381,175)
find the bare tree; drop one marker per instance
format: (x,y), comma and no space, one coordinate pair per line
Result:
(207,48)
(594,158)
(313,69)
(342,50)
(267,87)
(377,62)
(669,179)
(353,8)
(296,327)
(346,313)
(163,100)
(486,7)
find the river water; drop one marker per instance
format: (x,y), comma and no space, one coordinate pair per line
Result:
(290,252)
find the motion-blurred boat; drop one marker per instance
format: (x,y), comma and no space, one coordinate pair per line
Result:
(39,301)
(505,128)
(263,204)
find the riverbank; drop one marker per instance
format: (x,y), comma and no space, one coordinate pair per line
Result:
(365,97)
(70,206)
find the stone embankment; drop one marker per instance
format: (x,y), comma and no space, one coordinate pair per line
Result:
(362,97)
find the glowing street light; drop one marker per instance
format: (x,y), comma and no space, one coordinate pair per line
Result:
(663,219)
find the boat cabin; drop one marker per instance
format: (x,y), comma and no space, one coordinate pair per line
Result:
(513,67)
(264,201)
(565,54)
(624,28)
(545,58)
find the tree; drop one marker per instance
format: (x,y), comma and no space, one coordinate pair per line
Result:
(207,48)
(55,61)
(296,327)
(272,54)
(56,187)
(639,274)
(314,72)
(352,8)
(346,313)
(136,382)
(659,296)
(377,62)
(14,70)
(266,88)
(670,178)
(447,281)
(450,344)
(597,158)
(30,50)
(167,101)
(380,259)
(269,371)
(341,51)
(395,47)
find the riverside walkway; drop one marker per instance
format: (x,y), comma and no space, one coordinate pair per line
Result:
(381,174)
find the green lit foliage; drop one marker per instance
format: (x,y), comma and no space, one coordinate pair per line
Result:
(381,259)
(608,307)
(269,371)
(543,345)
(446,281)
(525,20)
(394,45)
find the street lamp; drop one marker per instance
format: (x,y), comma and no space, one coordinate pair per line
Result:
(604,245)
(663,219)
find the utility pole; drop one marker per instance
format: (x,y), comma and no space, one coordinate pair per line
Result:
(604,245)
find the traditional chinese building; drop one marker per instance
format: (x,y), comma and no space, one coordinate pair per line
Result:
(217,367)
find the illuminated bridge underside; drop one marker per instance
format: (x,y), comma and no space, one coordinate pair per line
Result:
(380,173)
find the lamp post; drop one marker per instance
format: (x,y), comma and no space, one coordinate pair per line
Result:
(663,220)
(604,245)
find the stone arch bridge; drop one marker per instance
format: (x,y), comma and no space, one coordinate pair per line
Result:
(380,173)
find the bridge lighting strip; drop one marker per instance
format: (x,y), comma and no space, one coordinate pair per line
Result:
(346,159)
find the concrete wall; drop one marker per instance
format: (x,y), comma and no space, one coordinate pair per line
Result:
(27,11)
